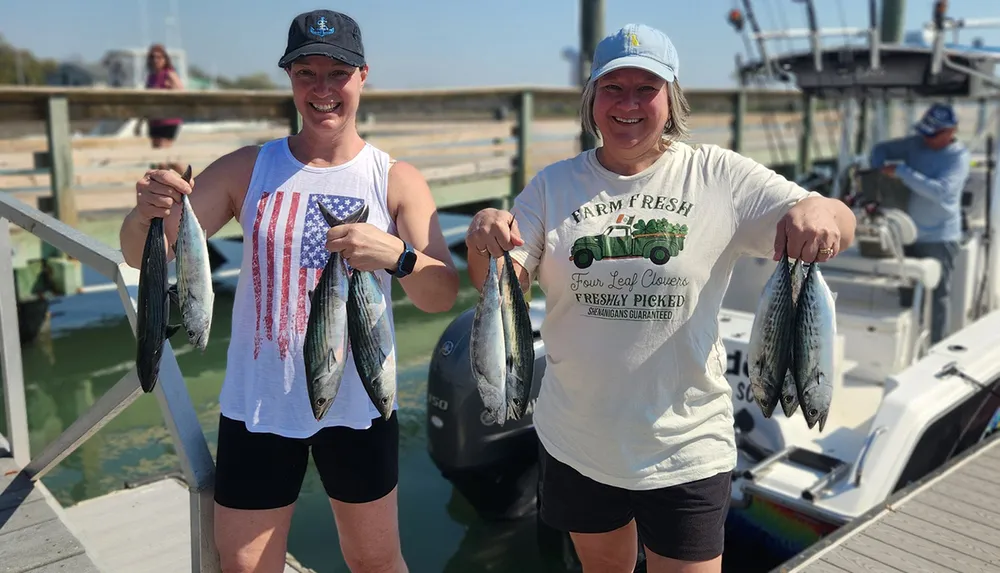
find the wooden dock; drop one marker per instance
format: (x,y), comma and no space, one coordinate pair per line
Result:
(948,521)
(146,529)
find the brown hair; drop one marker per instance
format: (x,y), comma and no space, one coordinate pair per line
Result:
(158,49)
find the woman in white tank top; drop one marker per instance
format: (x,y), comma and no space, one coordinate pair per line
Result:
(267,427)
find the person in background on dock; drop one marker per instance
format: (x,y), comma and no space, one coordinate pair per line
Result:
(635,415)
(161,75)
(935,166)
(266,426)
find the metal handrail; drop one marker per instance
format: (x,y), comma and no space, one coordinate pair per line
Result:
(175,404)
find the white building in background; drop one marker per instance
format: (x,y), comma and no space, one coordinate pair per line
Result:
(126,67)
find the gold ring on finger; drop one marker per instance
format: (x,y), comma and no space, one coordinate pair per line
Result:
(826,251)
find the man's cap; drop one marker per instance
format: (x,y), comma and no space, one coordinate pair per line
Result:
(636,46)
(939,116)
(324,33)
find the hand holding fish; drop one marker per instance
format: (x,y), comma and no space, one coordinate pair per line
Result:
(492,232)
(364,246)
(158,191)
(809,231)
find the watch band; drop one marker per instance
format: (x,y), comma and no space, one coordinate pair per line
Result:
(405,262)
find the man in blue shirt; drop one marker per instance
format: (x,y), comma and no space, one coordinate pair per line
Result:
(934,165)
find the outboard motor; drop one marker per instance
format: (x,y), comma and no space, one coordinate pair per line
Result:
(494,467)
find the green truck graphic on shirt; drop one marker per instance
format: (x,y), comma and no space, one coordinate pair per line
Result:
(656,240)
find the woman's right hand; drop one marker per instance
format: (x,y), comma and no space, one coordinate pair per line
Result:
(158,191)
(492,232)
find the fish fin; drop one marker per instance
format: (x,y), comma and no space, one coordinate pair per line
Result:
(172,330)
(173,295)
(187,174)
(331,219)
(359,216)
(362,215)
(331,359)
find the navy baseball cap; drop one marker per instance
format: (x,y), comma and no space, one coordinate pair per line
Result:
(324,33)
(939,116)
(636,46)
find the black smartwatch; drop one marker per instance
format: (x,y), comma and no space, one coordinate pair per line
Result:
(404,265)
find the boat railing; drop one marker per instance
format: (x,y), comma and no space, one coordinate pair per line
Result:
(196,462)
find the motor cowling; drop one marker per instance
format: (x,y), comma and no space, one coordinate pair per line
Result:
(493,466)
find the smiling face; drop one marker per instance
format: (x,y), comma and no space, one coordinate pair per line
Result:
(326,91)
(631,107)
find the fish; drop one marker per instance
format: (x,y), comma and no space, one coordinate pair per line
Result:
(326,342)
(789,393)
(519,344)
(153,306)
(487,348)
(813,349)
(371,338)
(193,291)
(769,351)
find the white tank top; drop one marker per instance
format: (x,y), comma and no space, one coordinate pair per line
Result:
(284,251)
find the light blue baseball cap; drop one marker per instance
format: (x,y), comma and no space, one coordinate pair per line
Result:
(939,116)
(636,46)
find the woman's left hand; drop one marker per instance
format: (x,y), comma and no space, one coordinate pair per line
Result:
(364,246)
(809,231)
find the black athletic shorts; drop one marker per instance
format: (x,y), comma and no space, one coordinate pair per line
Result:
(163,131)
(256,470)
(685,522)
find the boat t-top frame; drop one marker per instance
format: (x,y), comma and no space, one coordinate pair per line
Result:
(877,72)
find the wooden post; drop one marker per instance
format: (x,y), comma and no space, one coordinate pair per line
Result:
(525,112)
(294,118)
(591,32)
(806,136)
(739,113)
(61,159)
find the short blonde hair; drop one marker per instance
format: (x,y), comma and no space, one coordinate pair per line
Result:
(676,127)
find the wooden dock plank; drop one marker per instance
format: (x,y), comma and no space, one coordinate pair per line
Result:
(28,549)
(33,537)
(983,546)
(949,521)
(824,567)
(140,530)
(850,560)
(890,555)
(925,550)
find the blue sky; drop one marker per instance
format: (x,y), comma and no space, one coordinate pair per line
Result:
(428,43)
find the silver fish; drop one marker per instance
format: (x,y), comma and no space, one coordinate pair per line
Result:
(769,351)
(789,393)
(371,338)
(812,352)
(518,342)
(487,348)
(195,296)
(325,349)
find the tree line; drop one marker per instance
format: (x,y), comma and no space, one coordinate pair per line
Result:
(33,71)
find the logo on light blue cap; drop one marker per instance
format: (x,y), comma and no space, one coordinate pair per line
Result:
(939,116)
(636,46)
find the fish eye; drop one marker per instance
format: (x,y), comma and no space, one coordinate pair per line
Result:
(321,401)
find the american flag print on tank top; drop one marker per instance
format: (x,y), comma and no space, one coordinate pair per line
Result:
(284,252)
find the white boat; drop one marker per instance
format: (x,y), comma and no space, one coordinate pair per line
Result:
(901,407)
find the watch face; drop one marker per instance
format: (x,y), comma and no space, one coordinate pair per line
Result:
(409,259)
